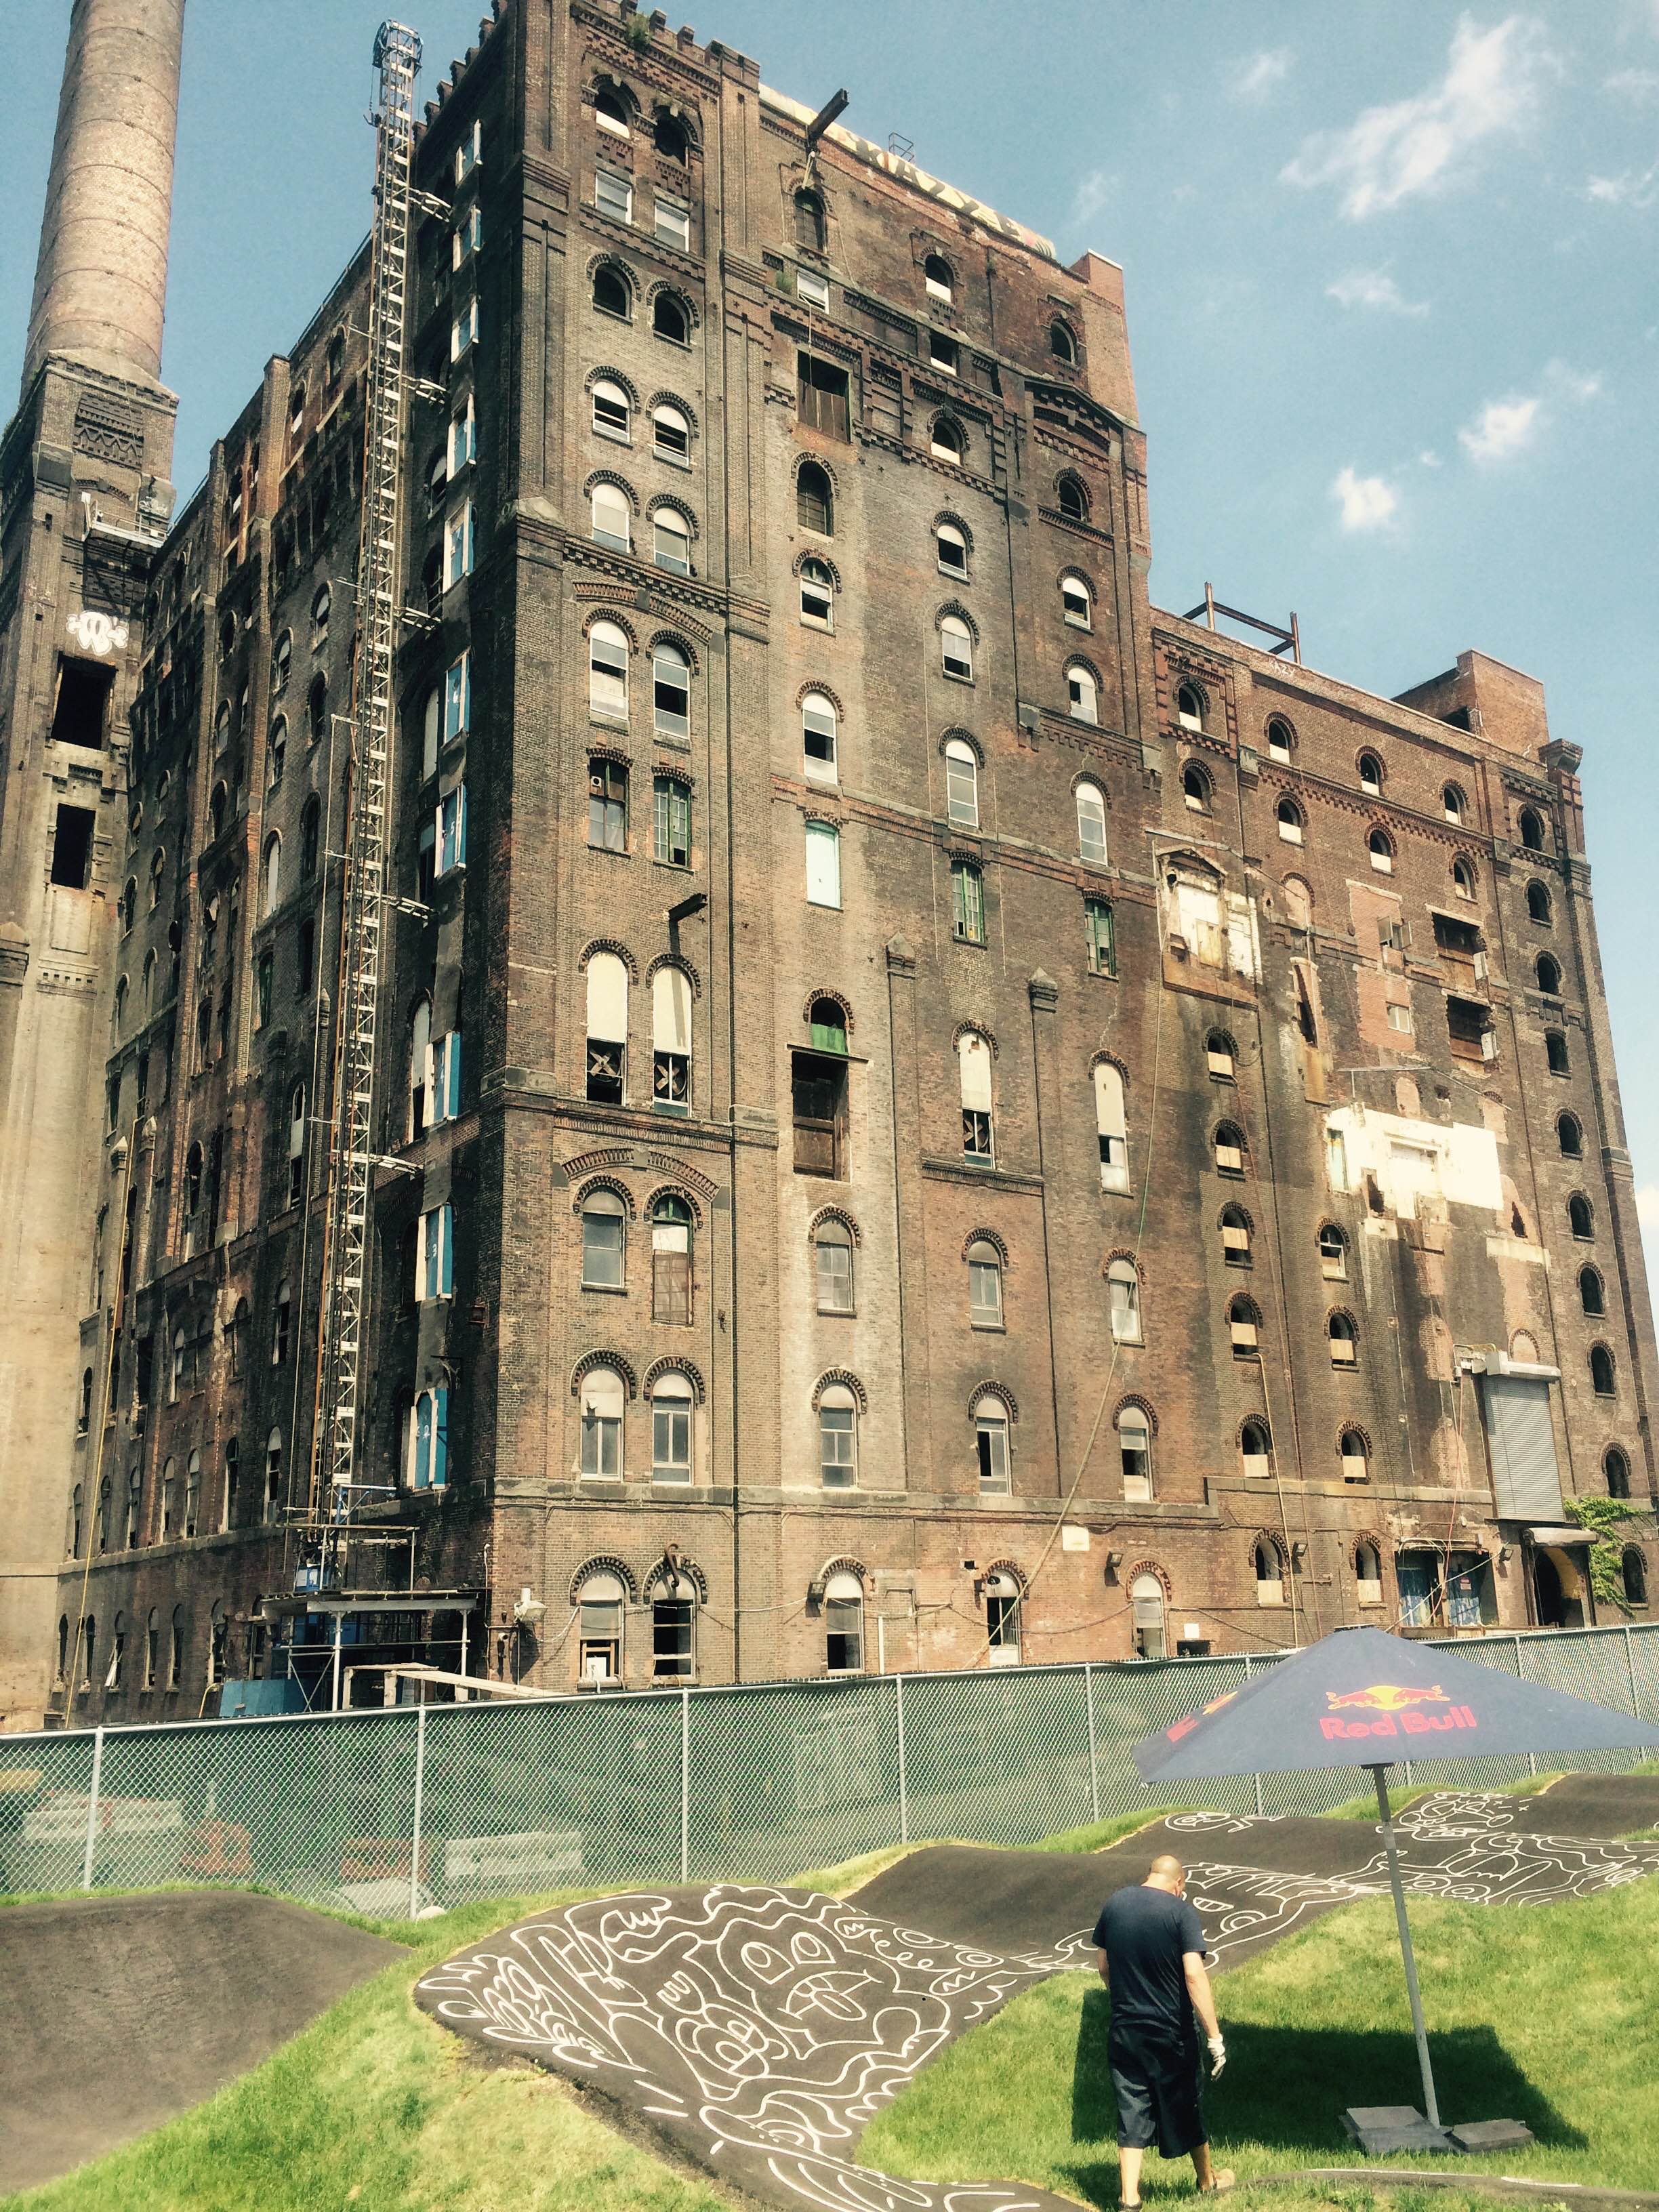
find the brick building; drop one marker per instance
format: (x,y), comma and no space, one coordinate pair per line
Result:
(931,1113)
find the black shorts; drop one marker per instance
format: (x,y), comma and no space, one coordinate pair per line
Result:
(1155,2077)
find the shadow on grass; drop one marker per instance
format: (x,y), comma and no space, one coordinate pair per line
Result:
(1286,2087)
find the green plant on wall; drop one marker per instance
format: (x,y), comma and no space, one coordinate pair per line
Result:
(1604,1518)
(639,32)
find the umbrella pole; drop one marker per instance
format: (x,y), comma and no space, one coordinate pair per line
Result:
(1431,2103)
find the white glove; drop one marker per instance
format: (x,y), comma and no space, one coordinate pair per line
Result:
(1218,2055)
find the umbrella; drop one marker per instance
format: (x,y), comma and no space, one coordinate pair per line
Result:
(1361,1697)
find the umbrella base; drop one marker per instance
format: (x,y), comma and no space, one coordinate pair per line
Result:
(1379,2128)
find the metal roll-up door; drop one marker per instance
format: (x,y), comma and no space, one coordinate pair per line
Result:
(1521,1439)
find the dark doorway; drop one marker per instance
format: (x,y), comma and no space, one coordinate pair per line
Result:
(81,713)
(71,846)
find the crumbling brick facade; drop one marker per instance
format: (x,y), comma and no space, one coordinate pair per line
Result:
(989,1124)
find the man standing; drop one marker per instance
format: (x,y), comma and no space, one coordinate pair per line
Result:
(1151,1960)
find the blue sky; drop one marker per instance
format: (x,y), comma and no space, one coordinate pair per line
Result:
(1391,295)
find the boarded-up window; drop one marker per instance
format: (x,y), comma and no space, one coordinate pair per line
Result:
(822,390)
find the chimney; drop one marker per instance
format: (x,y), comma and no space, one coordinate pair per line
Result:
(101,281)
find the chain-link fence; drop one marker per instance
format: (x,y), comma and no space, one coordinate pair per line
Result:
(387,1812)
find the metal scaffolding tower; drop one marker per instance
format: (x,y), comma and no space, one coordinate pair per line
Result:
(363,888)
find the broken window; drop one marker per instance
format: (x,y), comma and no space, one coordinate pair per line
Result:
(823,397)
(607,1028)
(671,1041)
(81,712)
(1468,1026)
(818,1087)
(71,846)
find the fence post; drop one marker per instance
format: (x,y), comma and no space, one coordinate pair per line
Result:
(1250,1675)
(1094,1764)
(685,1785)
(904,1779)
(1520,1675)
(420,1784)
(92,1807)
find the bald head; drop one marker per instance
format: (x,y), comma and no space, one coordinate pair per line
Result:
(1166,1872)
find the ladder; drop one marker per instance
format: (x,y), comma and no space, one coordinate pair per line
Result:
(346,1257)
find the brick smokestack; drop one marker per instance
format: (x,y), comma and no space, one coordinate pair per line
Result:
(101,283)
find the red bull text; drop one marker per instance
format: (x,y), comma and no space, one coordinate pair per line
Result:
(1396,1708)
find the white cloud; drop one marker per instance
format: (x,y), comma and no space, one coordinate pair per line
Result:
(1429,457)
(1508,426)
(1421,144)
(1635,188)
(1502,427)
(1373,288)
(1367,503)
(1091,195)
(1257,76)
(1639,85)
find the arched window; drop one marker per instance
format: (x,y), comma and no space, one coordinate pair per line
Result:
(1289,815)
(809,229)
(671,1409)
(1591,1295)
(275,754)
(819,735)
(1368,1573)
(673,1627)
(1220,1056)
(974,1071)
(181,1355)
(1256,1449)
(62,1674)
(321,606)
(599,1628)
(192,1492)
(1004,1599)
(1111,1128)
(671,1261)
(1134,1448)
(613,411)
(1082,693)
(281,660)
(607,672)
(1344,1341)
(1245,1328)
(1539,908)
(1061,342)
(1147,1609)
(310,826)
(272,1503)
(106,1489)
(1581,1216)
(1076,603)
(610,111)
(670,434)
(83,1421)
(1270,1572)
(272,878)
(1333,1253)
(669,137)
(1380,846)
(961,784)
(605,1231)
(843,1624)
(1371,772)
(671,682)
(1555,1052)
(1548,972)
(1453,802)
(1236,1237)
(1354,1455)
(607,802)
(1532,830)
(612,295)
(669,319)
(1195,787)
(1601,1371)
(936,276)
(1190,707)
(601,1396)
(817,596)
(944,441)
(1633,1574)
(1569,1137)
(815,500)
(233,1471)
(1074,499)
(1281,738)
(612,518)
(838,1456)
(950,549)
(832,1250)
(317,710)
(1091,822)
(607,1028)
(1229,1153)
(1123,1301)
(991,1443)
(296,1143)
(984,1284)
(957,648)
(152,1647)
(1615,1469)
(1463,878)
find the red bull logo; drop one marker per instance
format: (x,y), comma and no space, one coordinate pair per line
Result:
(1190,1720)
(1396,1707)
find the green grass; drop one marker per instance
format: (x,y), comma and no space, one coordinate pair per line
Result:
(1543,2015)
(1100,1835)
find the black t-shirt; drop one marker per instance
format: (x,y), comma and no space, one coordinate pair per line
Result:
(1146,1933)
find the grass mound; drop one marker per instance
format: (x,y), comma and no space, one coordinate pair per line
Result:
(1320,2022)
